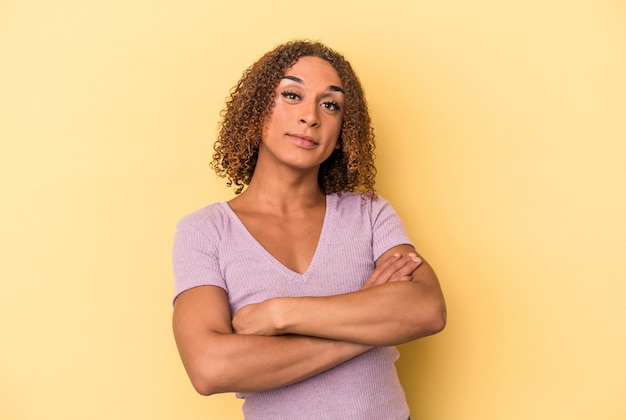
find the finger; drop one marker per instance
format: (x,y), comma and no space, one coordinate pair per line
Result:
(401,267)
(403,278)
(380,270)
(405,266)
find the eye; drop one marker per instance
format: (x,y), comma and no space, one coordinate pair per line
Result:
(290,95)
(331,106)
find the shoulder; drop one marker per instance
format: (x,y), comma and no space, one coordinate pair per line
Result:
(207,225)
(354,202)
(351,198)
(205,219)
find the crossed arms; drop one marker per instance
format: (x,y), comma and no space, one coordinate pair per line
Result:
(285,340)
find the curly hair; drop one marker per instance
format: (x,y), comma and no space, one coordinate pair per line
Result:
(348,169)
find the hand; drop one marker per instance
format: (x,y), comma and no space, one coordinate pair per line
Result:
(256,319)
(396,267)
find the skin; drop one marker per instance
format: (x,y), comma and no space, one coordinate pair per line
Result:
(285,340)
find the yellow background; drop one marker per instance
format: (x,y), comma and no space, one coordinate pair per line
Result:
(501,130)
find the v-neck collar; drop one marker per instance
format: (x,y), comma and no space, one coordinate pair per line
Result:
(289,273)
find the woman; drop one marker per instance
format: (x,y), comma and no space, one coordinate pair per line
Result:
(293,293)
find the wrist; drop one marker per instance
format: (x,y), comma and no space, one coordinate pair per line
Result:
(280,317)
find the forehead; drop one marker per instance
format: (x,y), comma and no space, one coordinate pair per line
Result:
(315,70)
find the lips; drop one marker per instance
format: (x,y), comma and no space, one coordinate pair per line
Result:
(303,140)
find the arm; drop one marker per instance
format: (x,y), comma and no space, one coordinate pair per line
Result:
(217,360)
(380,314)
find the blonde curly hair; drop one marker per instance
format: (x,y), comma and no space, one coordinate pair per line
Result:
(349,168)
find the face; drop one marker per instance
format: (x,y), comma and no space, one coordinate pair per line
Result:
(303,129)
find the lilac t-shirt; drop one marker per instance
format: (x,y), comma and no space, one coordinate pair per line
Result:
(213,247)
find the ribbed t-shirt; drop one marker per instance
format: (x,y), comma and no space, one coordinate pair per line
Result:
(213,247)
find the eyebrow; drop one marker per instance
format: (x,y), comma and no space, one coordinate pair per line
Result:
(300,81)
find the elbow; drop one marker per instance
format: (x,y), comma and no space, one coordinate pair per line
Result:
(439,319)
(203,387)
(207,380)
(435,315)
(431,321)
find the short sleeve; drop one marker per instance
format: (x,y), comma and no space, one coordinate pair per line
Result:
(195,257)
(387,229)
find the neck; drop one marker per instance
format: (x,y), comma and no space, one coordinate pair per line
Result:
(284,197)
(283,191)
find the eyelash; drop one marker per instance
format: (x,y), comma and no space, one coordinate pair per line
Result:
(334,106)
(329,105)
(290,95)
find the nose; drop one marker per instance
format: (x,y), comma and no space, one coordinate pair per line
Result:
(308,113)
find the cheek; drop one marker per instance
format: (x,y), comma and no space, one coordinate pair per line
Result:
(265,130)
(339,126)
(337,132)
(269,126)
